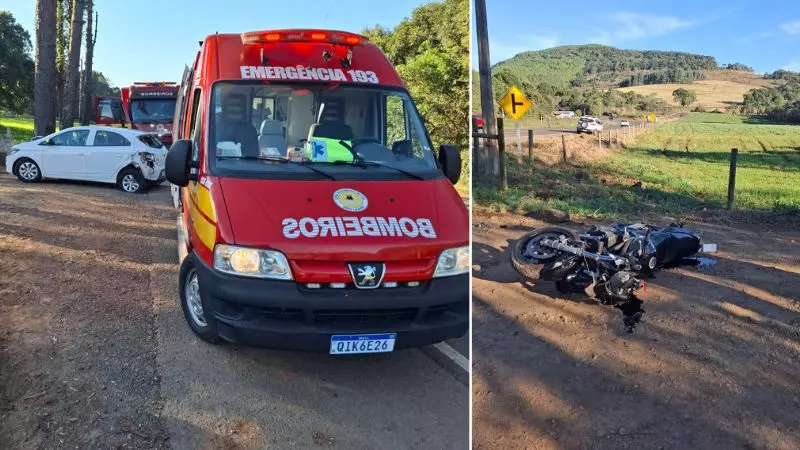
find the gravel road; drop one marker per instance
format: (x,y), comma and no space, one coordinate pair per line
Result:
(713,364)
(94,351)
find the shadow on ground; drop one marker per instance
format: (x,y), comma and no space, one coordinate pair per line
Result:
(712,365)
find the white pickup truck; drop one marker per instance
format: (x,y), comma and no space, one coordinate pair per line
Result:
(588,124)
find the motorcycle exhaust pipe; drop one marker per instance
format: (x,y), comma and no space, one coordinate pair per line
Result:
(581,252)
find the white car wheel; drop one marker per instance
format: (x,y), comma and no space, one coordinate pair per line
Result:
(28,171)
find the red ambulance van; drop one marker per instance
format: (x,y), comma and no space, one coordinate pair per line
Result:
(315,213)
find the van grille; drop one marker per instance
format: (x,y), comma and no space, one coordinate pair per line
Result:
(364,317)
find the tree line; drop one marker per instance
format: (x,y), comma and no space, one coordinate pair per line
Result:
(738,66)
(676,76)
(63,88)
(430,51)
(780,103)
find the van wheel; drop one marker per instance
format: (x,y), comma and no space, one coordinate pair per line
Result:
(27,171)
(201,323)
(131,180)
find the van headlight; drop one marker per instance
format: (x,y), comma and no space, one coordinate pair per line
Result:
(453,261)
(251,262)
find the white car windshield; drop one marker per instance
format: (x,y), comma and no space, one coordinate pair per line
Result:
(285,129)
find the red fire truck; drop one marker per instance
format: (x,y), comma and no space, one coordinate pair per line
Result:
(145,106)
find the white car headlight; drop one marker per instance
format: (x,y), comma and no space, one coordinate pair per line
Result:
(251,262)
(453,261)
(12,151)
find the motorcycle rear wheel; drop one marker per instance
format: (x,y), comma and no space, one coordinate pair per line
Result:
(527,258)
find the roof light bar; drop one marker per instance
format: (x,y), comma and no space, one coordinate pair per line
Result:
(332,37)
(154,83)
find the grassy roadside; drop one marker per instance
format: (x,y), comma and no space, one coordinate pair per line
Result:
(655,174)
(21,128)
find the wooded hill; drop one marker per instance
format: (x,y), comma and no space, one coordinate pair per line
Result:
(602,66)
(597,78)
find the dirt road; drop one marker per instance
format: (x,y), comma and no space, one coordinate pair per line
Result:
(94,351)
(714,364)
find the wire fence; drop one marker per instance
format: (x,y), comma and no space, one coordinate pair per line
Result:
(534,147)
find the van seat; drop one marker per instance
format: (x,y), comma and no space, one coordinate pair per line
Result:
(270,135)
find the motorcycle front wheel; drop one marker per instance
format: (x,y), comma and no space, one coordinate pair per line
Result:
(528,255)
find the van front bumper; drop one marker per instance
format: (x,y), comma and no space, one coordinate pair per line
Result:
(285,314)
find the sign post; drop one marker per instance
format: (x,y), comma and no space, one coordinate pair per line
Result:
(514,103)
(515,106)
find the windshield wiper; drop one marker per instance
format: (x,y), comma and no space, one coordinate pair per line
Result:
(361,162)
(283,160)
(364,163)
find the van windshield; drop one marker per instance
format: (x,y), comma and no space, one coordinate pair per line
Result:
(316,131)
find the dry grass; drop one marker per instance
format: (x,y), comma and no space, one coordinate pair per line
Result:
(580,148)
(722,88)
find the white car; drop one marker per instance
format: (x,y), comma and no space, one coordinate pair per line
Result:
(131,159)
(624,123)
(588,124)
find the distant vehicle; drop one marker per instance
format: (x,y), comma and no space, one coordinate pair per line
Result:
(131,159)
(624,123)
(478,121)
(588,124)
(564,114)
(145,106)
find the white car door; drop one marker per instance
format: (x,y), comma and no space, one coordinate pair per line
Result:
(109,150)
(64,155)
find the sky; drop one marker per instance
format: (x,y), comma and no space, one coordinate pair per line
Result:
(763,34)
(152,40)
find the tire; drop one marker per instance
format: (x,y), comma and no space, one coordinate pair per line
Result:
(131,181)
(529,266)
(27,170)
(562,286)
(202,324)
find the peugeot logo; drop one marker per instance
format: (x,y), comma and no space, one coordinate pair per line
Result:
(367,275)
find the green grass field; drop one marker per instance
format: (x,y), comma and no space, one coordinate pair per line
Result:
(21,129)
(671,179)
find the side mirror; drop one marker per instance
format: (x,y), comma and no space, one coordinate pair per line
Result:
(177,167)
(450,160)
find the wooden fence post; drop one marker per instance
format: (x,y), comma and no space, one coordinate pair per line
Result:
(477,151)
(564,148)
(732,178)
(501,140)
(530,148)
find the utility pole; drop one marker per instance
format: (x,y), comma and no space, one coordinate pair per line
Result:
(487,98)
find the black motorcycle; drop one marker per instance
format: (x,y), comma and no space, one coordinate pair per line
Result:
(610,259)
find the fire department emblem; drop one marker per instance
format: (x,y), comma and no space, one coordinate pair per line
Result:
(350,200)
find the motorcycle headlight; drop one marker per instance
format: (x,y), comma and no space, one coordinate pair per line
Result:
(251,262)
(453,261)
